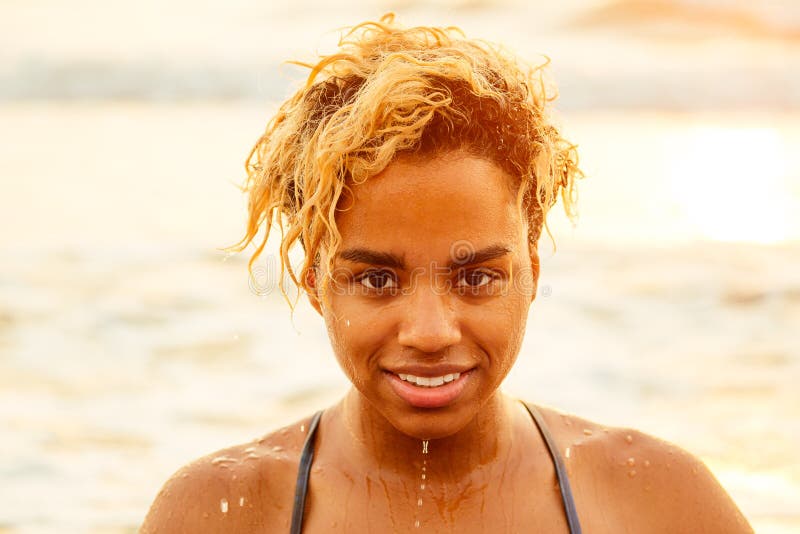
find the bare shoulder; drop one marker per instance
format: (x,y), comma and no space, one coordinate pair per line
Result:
(244,488)
(624,476)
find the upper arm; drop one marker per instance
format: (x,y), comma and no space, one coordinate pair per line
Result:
(210,498)
(190,501)
(245,488)
(664,488)
(699,502)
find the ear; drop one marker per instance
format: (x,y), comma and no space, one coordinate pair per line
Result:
(313,291)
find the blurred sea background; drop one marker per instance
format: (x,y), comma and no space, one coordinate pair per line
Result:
(130,344)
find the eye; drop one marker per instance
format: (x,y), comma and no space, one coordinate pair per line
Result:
(378,280)
(475,279)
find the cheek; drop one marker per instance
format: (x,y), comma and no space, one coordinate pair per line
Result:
(501,329)
(356,337)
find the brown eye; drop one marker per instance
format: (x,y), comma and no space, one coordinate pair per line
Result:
(475,279)
(377,280)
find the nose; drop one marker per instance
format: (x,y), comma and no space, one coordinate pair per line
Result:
(429,323)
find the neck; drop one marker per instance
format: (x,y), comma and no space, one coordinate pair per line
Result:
(367,441)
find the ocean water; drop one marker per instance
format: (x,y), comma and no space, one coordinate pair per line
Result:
(130,344)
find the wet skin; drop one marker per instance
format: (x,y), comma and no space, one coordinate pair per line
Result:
(405,299)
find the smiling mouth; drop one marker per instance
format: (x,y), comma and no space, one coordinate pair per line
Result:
(429,391)
(429,382)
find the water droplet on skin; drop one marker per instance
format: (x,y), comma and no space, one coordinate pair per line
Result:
(647,463)
(631,461)
(223,506)
(422,483)
(566,453)
(185,475)
(632,473)
(587,432)
(425,447)
(629,438)
(241,502)
(302,428)
(347,322)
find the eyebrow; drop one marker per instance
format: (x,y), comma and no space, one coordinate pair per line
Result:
(372,257)
(387,259)
(479,256)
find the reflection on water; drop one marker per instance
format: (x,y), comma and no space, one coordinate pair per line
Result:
(129,346)
(721,177)
(732,183)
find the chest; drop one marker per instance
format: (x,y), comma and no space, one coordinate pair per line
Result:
(515,502)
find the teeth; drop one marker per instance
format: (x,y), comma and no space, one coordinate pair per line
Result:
(431,382)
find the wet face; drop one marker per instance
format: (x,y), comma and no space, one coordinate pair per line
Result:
(431,290)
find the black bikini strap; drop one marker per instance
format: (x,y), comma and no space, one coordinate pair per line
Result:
(301,487)
(561,471)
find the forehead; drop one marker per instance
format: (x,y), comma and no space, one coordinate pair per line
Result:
(423,206)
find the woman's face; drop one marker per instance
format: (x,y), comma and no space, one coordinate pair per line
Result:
(430,292)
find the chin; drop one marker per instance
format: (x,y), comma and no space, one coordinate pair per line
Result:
(430,424)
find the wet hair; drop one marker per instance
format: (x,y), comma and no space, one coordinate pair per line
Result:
(391,92)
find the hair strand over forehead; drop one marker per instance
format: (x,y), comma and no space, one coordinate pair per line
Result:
(390,92)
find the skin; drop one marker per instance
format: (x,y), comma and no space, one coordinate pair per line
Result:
(487,469)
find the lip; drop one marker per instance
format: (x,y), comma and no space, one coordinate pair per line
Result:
(429,397)
(429,371)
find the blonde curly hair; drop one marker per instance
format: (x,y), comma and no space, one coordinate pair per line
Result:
(390,92)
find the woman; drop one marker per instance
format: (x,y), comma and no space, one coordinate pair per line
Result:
(416,169)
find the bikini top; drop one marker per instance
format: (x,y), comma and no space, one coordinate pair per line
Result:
(307,456)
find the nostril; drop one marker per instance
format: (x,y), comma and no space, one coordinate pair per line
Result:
(429,337)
